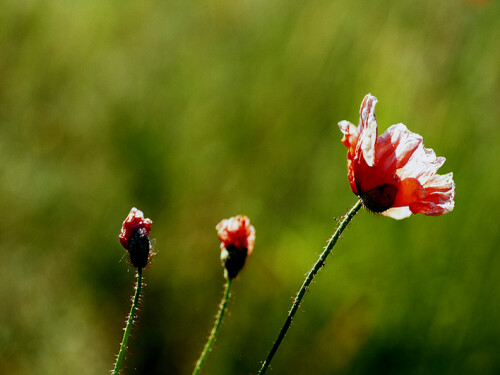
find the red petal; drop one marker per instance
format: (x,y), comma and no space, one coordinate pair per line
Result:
(440,198)
(409,191)
(368,178)
(134,221)
(238,232)
(350,140)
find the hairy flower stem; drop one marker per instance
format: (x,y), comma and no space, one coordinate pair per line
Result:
(130,322)
(310,276)
(215,330)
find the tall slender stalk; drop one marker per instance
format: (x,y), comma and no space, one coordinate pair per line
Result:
(310,276)
(130,322)
(215,330)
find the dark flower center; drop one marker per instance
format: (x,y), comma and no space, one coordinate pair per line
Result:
(380,198)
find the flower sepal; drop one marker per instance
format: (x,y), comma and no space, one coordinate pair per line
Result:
(233,260)
(140,249)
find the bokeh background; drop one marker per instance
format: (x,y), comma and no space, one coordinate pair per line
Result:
(194,111)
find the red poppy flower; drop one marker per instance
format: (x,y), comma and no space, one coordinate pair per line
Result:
(134,222)
(238,232)
(394,174)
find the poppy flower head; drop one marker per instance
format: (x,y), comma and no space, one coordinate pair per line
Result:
(134,237)
(237,238)
(238,232)
(394,174)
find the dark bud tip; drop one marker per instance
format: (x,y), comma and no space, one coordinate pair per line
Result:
(139,248)
(233,260)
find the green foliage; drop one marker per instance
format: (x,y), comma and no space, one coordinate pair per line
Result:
(198,110)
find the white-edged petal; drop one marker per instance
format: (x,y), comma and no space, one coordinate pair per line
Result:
(397,213)
(401,149)
(422,165)
(349,128)
(368,129)
(441,182)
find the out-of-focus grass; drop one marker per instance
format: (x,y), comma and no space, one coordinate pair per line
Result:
(196,111)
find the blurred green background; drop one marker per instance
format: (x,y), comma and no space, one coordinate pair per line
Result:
(194,111)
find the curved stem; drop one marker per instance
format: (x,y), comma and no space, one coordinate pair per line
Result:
(215,330)
(130,322)
(314,270)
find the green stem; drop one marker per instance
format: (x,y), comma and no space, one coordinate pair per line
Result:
(298,299)
(215,330)
(130,322)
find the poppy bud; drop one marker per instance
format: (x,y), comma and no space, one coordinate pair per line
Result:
(237,238)
(134,237)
